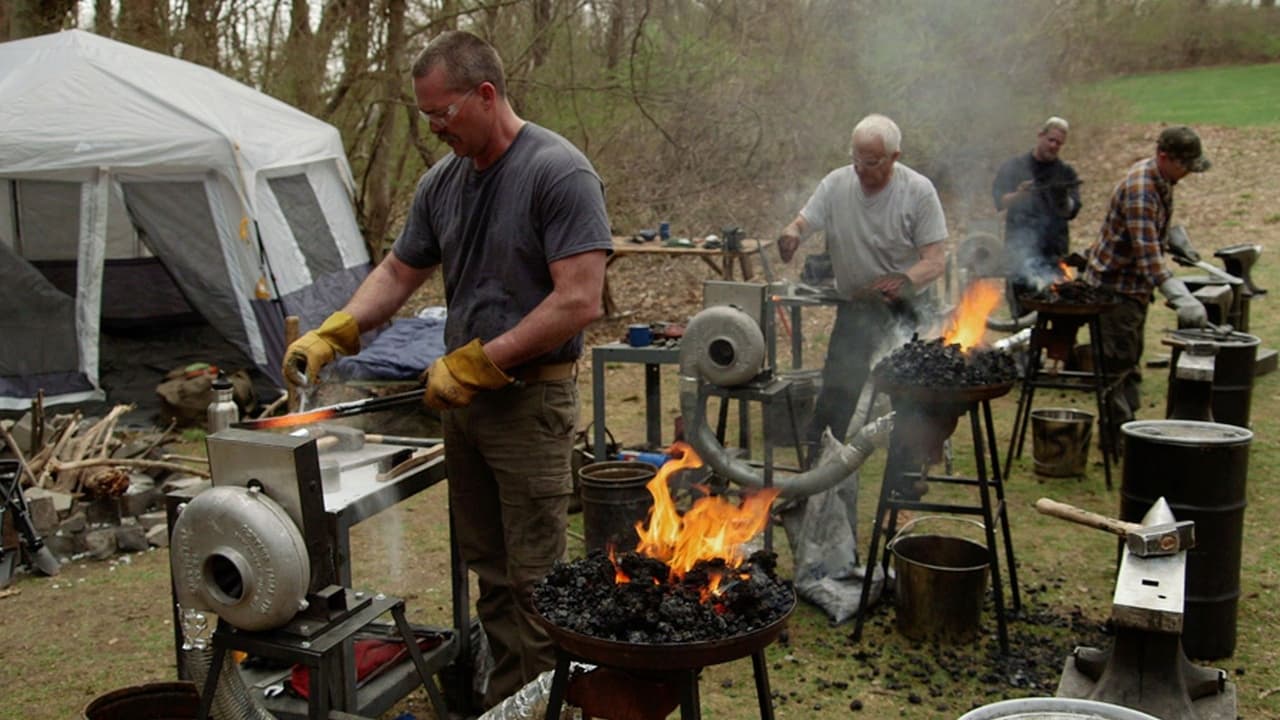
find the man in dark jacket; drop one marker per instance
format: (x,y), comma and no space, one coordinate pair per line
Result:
(1040,194)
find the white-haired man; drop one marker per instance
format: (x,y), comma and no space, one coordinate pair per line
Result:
(1040,194)
(885,232)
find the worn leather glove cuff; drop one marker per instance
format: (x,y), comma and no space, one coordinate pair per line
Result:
(342,332)
(471,366)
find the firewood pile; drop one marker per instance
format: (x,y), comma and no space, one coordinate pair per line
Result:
(90,458)
(92,487)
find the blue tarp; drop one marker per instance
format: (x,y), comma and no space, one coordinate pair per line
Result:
(401,352)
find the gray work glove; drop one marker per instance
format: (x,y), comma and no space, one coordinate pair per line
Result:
(1190,311)
(1180,245)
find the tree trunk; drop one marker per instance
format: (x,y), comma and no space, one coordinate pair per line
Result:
(27,18)
(200,33)
(103,18)
(616,33)
(303,70)
(142,23)
(377,196)
(355,51)
(541,34)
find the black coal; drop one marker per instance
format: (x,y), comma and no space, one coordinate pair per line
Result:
(933,364)
(583,596)
(1074,292)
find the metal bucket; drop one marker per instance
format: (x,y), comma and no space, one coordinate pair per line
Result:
(154,701)
(1054,708)
(1060,441)
(941,583)
(1200,468)
(1233,371)
(614,499)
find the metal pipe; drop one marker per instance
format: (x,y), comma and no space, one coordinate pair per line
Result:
(845,458)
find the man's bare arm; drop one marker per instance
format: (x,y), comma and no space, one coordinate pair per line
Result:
(385,289)
(933,259)
(573,304)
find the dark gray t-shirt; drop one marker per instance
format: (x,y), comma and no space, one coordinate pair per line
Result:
(496,232)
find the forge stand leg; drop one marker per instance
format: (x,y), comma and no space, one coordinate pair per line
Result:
(559,682)
(763,694)
(1022,416)
(1103,395)
(690,703)
(1003,513)
(984,497)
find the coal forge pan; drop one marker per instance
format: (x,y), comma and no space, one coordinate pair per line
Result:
(665,657)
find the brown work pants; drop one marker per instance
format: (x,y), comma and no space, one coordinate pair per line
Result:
(507,456)
(1123,328)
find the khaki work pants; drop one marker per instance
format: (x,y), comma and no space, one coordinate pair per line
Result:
(508,456)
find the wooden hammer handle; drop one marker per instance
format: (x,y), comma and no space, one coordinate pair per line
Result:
(1085,517)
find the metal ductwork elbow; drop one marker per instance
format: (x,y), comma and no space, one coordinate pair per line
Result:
(724,346)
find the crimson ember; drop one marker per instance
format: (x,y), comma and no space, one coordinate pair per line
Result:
(636,599)
(935,364)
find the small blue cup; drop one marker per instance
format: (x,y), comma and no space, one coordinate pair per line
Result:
(664,230)
(639,335)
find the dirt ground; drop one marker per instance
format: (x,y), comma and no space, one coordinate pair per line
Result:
(102,626)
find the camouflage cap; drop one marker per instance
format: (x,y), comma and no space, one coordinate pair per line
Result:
(1183,144)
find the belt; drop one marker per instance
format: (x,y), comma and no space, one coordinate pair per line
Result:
(547,372)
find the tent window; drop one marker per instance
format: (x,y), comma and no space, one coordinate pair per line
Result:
(177,224)
(48,220)
(307,223)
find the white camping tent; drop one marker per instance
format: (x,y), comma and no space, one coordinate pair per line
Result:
(136,185)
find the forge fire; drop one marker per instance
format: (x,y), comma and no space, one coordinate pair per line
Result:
(956,359)
(688,580)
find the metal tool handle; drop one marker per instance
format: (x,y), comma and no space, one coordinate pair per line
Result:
(1081,516)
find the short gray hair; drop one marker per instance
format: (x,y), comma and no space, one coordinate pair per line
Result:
(880,126)
(1055,123)
(467,61)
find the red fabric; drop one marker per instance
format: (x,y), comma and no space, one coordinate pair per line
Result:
(372,656)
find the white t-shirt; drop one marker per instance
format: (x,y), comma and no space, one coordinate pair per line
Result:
(868,236)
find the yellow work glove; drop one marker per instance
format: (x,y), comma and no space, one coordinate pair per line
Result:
(339,333)
(454,380)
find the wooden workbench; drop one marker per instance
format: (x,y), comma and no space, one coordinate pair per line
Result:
(719,259)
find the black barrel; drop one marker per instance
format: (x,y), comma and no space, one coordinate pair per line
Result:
(1200,468)
(1233,369)
(614,499)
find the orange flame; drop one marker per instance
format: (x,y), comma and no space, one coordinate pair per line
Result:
(1068,272)
(969,323)
(713,528)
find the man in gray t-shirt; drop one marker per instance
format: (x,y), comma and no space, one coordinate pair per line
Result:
(516,219)
(885,233)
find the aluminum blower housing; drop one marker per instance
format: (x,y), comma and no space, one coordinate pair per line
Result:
(725,345)
(237,553)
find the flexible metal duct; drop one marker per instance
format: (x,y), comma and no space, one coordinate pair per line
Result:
(717,338)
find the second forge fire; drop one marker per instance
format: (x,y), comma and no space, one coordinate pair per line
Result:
(687,581)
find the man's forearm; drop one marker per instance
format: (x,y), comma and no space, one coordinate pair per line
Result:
(574,302)
(931,265)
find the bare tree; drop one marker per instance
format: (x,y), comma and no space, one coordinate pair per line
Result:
(200,33)
(37,17)
(142,23)
(103,16)
(376,206)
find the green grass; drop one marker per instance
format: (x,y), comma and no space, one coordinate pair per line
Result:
(1232,96)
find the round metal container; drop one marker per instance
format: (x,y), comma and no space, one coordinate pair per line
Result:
(1200,468)
(153,701)
(942,581)
(1060,441)
(1233,370)
(614,499)
(1054,708)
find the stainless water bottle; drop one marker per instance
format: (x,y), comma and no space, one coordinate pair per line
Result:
(223,412)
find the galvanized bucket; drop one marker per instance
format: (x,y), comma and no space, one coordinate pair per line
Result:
(614,499)
(941,583)
(1060,441)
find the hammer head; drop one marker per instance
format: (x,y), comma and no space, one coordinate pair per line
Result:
(337,438)
(1161,539)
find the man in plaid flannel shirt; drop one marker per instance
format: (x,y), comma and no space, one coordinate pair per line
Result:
(1128,257)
